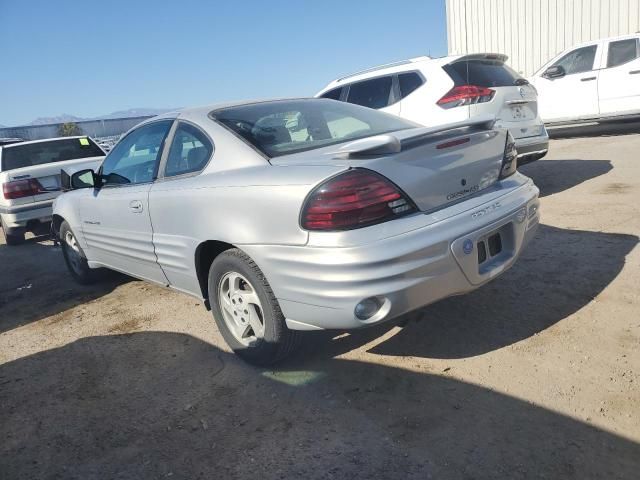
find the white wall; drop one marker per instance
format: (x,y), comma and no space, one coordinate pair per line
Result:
(531,32)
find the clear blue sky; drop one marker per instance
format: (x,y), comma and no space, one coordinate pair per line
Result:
(92,57)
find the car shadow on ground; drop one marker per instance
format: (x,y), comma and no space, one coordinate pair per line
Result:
(557,175)
(559,273)
(157,404)
(35,283)
(610,129)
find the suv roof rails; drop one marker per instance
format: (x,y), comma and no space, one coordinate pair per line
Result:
(386,65)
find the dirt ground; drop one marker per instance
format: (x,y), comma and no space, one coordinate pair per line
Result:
(535,375)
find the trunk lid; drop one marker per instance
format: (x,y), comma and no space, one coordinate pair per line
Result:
(42,160)
(435,167)
(48,175)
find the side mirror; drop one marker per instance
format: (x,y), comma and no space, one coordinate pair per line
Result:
(84,179)
(554,72)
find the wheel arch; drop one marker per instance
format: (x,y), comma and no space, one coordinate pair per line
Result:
(206,252)
(56,223)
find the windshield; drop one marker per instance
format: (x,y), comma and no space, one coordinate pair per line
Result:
(26,155)
(290,126)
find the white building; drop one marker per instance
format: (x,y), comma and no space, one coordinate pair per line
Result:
(531,32)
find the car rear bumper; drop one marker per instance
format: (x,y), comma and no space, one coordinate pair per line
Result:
(319,287)
(20,216)
(532,148)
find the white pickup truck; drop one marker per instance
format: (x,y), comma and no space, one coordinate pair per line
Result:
(30,180)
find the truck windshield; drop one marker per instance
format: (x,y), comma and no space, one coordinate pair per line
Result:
(284,127)
(59,150)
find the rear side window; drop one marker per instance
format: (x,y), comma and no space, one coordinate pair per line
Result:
(623,51)
(333,94)
(578,61)
(374,93)
(482,73)
(409,82)
(190,151)
(26,155)
(291,126)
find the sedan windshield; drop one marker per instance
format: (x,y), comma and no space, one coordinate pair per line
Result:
(283,127)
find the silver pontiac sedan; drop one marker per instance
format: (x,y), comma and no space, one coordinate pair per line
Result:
(301,214)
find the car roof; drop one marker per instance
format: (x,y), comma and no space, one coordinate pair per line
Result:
(402,66)
(606,39)
(27,142)
(202,112)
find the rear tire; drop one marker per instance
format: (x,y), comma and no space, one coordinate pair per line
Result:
(247,312)
(12,238)
(75,258)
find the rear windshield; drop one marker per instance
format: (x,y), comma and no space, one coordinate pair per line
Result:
(291,126)
(482,73)
(26,155)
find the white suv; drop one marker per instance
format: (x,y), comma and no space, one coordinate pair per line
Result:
(598,80)
(438,91)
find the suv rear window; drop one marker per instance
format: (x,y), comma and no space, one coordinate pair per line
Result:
(283,127)
(374,93)
(482,73)
(26,155)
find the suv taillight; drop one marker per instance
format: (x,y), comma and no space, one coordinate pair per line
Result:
(510,158)
(466,95)
(354,199)
(21,188)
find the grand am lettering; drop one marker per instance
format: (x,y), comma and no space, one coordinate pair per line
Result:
(463,193)
(484,211)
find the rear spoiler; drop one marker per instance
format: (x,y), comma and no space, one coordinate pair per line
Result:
(397,141)
(496,57)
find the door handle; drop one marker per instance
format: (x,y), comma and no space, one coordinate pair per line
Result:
(135,206)
(634,72)
(587,79)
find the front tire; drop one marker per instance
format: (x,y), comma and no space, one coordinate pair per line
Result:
(75,258)
(246,311)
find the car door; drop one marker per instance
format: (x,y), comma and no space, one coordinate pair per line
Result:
(379,93)
(171,200)
(116,224)
(573,93)
(619,83)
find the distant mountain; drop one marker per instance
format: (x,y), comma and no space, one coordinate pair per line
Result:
(135,112)
(132,112)
(65,117)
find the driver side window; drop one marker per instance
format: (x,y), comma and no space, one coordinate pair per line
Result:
(135,158)
(578,61)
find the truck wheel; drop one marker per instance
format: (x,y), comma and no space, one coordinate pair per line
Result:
(74,257)
(246,311)
(12,238)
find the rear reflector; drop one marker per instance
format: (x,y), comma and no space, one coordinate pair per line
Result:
(453,143)
(466,95)
(354,199)
(21,188)
(510,158)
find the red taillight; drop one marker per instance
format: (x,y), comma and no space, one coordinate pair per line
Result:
(354,199)
(466,95)
(21,188)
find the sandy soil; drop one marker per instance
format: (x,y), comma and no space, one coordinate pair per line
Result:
(536,375)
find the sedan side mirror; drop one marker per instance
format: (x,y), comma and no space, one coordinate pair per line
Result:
(554,72)
(85,179)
